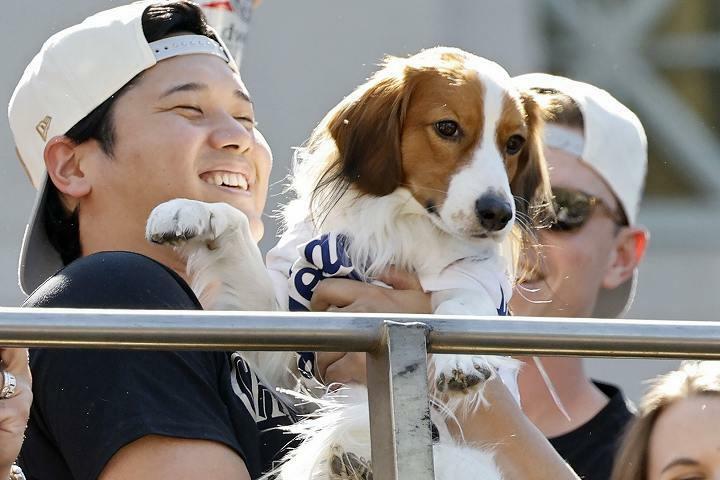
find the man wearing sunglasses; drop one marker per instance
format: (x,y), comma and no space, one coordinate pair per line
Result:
(587,263)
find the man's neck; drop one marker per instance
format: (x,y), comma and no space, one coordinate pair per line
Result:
(103,238)
(580,398)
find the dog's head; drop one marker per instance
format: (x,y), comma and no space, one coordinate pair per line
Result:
(449,127)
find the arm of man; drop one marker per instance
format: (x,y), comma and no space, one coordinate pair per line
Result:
(159,457)
(520,448)
(343,295)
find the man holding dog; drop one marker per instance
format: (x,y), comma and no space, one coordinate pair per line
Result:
(104,142)
(586,267)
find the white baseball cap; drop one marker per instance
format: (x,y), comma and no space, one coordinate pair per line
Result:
(75,71)
(614,145)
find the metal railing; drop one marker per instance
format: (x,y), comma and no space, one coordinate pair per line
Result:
(396,346)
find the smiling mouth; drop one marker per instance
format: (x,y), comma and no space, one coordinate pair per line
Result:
(231,180)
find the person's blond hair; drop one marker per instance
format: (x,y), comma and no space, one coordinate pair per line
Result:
(692,378)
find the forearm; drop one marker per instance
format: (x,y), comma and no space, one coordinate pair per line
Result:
(521,451)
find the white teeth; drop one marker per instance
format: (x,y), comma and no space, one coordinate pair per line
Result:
(225,178)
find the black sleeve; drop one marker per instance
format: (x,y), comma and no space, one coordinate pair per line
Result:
(90,403)
(93,402)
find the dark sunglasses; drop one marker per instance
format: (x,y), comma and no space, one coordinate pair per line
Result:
(573,208)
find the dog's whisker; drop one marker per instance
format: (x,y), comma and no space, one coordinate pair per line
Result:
(423,187)
(447,414)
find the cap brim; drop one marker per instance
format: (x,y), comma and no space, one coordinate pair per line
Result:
(615,303)
(38,258)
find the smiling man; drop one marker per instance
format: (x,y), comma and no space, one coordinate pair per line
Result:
(133,107)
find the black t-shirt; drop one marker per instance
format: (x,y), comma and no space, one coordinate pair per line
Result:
(591,448)
(90,403)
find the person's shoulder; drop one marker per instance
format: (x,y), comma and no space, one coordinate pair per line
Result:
(114,280)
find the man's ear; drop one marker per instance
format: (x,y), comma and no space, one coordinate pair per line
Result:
(62,160)
(630,246)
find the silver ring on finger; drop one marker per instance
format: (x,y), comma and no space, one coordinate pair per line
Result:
(8,385)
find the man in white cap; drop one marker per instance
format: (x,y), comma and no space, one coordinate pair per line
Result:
(596,150)
(133,107)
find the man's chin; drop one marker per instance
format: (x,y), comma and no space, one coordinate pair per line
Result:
(257,229)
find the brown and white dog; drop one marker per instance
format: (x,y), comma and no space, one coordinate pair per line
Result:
(426,167)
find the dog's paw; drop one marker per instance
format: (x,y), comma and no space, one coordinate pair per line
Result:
(460,374)
(179,221)
(348,466)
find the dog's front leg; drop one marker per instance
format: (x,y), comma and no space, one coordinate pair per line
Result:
(458,380)
(225,267)
(224,263)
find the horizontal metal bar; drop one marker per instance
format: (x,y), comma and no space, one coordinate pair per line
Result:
(578,337)
(173,330)
(185,330)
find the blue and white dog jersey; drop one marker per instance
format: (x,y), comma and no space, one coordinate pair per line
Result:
(307,263)
(299,261)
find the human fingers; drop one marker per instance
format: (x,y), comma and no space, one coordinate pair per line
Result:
(325,359)
(351,368)
(15,410)
(337,292)
(15,361)
(14,414)
(386,300)
(400,279)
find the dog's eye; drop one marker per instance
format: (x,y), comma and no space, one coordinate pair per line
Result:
(447,129)
(514,144)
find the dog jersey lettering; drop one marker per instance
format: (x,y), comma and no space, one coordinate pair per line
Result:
(326,257)
(320,258)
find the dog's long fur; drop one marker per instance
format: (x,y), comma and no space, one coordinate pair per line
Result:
(404,199)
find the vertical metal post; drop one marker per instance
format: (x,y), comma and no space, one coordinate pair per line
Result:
(399,404)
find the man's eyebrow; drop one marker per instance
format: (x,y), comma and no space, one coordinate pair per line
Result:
(680,461)
(185,87)
(194,87)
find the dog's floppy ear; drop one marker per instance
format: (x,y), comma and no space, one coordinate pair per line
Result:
(531,183)
(366,128)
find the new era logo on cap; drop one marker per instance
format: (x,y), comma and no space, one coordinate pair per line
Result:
(43,127)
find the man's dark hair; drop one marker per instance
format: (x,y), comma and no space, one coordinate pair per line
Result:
(158,22)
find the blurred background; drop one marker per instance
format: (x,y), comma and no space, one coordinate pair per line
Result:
(660,57)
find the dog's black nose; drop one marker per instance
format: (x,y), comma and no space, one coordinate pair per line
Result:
(493,211)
